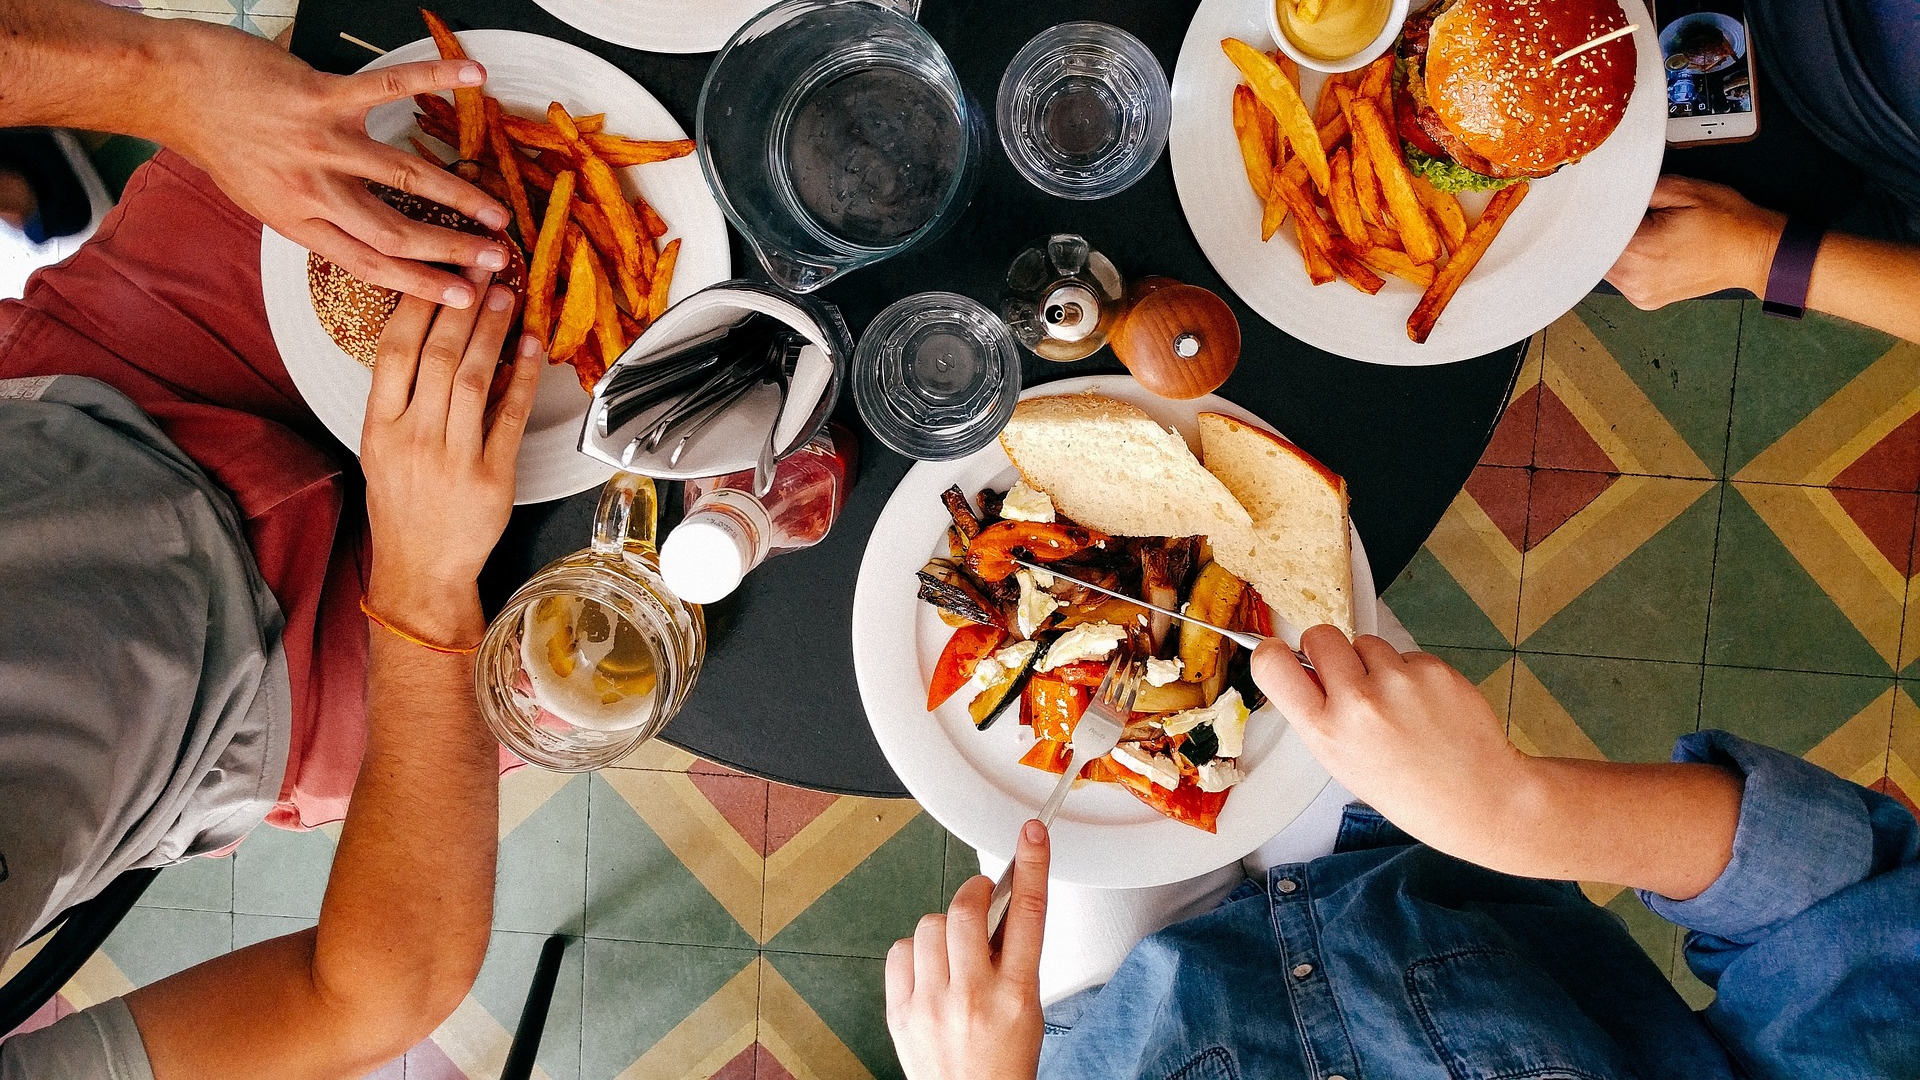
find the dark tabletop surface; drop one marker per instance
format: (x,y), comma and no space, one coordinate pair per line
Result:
(777,696)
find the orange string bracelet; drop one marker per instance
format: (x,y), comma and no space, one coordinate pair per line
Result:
(411,639)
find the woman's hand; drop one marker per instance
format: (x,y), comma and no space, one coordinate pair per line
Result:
(440,469)
(289,144)
(956,1010)
(1408,735)
(1697,238)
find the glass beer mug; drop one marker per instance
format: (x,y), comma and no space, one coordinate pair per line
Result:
(593,655)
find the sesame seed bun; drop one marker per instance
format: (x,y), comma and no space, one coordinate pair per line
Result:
(354,312)
(1491,80)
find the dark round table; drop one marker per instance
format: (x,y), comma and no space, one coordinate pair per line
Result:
(777,696)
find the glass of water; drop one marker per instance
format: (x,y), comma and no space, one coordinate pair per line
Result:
(1084,110)
(936,376)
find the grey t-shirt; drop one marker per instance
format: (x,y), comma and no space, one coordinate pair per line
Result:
(101,1043)
(144,702)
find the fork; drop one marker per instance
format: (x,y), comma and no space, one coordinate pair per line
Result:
(1096,733)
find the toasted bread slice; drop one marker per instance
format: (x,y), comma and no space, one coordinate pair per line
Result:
(1110,467)
(1301,560)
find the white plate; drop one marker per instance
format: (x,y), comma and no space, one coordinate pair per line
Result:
(972,781)
(1561,241)
(667,26)
(525,71)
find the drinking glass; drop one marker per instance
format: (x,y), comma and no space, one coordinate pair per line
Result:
(1084,110)
(936,376)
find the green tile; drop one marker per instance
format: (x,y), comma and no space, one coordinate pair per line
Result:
(276,872)
(962,863)
(153,943)
(1786,370)
(1681,357)
(1656,936)
(1476,664)
(1694,992)
(254,929)
(1653,604)
(849,993)
(542,880)
(635,992)
(1437,611)
(202,884)
(117,157)
(1767,611)
(502,987)
(879,901)
(1788,710)
(1633,710)
(637,890)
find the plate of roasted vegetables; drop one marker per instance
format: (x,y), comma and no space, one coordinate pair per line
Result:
(974,669)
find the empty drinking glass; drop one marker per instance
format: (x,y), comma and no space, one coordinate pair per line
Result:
(1084,110)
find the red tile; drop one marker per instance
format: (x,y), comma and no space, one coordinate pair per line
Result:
(740,1068)
(742,800)
(770,1067)
(1502,493)
(1557,496)
(1886,786)
(790,809)
(1512,442)
(1560,442)
(1892,464)
(1887,517)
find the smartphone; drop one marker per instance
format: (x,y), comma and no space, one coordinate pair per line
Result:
(1707,52)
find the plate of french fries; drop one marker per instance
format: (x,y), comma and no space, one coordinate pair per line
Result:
(609,207)
(1297,188)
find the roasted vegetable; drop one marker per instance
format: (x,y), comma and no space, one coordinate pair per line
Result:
(989,704)
(947,588)
(990,556)
(964,649)
(1105,609)
(1176,696)
(962,513)
(1216,599)
(1055,706)
(990,503)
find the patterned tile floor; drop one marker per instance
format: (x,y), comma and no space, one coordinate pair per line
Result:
(1692,517)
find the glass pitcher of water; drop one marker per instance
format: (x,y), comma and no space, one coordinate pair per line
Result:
(836,133)
(593,655)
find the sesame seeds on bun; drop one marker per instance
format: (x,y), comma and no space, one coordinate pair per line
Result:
(1491,80)
(354,312)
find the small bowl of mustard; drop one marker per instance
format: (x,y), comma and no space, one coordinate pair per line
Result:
(1335,35)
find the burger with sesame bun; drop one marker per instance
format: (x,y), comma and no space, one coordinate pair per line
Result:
(354,312)
(1480,102)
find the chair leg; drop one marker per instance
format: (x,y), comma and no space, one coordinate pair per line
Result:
(533,1015)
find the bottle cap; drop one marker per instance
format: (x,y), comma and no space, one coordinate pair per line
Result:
(702,561)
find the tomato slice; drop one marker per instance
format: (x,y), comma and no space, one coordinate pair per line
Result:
(1186,804)
(1084,673)
(1055,706)
(964,650)
(1047,755)
(990,555)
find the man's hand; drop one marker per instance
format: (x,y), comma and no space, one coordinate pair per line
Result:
(1697,238)
(289,144)
(956,1010)
(440,472)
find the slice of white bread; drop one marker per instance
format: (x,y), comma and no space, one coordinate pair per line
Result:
(1301,559)
(1110,467)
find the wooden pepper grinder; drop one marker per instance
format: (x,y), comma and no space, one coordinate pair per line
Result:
(1180,341)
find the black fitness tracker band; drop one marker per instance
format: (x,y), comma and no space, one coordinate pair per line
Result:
(1791,274)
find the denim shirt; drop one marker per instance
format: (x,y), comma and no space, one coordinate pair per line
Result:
(1388,959)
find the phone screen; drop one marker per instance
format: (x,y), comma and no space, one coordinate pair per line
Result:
(1704,46)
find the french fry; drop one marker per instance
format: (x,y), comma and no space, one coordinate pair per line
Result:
(663,281)
(1271,87)
(425,153)
(1396,183)
(536,174)
(1253,151)
(1389,261)
(1288,68)
(1342,200)
(588,365)
(606,318)
(1328,105)
(1445,211)
(486,180)
(1376,77)
(577,310)
(440,110)
(1272,215)
(1332,133)
(543,270)
(616,150)
(1270,139)
(507,160)
(1383,237)
(1315,240)
(656,225)
(603,187)
(630,326)
(1447,281)
(433,129)
(649,252)
(1346,261)
(1366,186)
(467,100)
(590,123)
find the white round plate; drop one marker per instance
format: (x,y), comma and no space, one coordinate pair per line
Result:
(665,26)
(1558,244)
(972,781)
(525,71)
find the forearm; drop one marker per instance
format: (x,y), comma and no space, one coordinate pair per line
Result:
(1667,828)
(1872,282)
(85,64)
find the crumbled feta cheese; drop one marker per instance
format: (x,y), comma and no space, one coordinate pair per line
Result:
(1026,504)
(1088,641)
(991,669)
(1162,672)
(1219,775)
(1042,578)
(1227,714)
(1158,768)
(1034,606)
